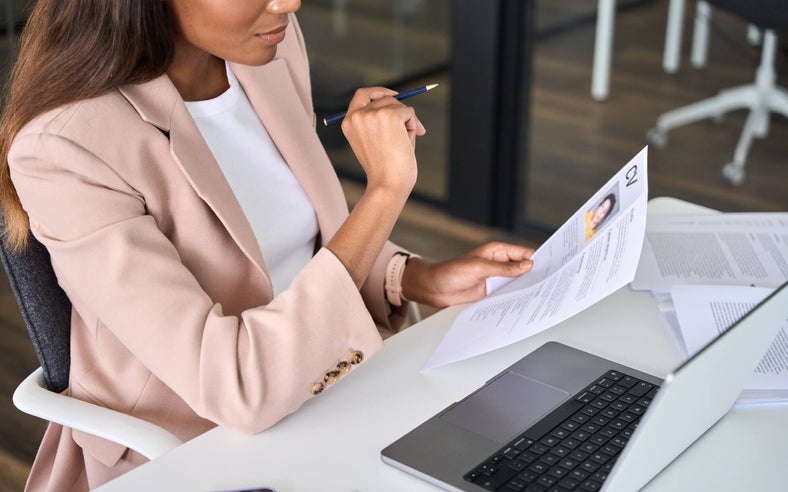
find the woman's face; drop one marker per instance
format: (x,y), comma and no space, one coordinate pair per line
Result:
(601,212)
(241,31)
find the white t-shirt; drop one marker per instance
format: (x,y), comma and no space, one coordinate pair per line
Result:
(281,215)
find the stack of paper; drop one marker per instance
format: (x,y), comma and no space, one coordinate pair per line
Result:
(708,271)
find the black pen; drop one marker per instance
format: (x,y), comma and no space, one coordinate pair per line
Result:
(330,120)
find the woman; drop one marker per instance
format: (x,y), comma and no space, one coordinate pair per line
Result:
(164,152)
(594,217)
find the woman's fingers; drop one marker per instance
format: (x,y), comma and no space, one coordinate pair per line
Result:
(366,95)
(499,251)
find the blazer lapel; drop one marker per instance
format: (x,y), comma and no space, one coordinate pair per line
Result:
(159,103)
(271,90)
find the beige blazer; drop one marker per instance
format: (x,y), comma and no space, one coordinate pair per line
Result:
(174,319)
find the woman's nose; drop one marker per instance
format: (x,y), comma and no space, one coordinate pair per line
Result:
(283,6)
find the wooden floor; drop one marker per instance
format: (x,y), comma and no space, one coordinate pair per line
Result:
(576,145)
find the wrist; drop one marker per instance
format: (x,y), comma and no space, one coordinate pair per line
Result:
(395,274)
(413,280)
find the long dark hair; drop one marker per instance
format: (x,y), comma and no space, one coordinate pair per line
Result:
(73,50)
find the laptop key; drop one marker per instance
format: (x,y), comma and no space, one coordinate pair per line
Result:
(582,455)
(517,465)
(488,469)
(580,418)
(550,441)
(590,486)
(570,425)
(569,483)
(557,472)
(596,389)
(579,474)
(515,485)
(527,457)
(585,397)
(605,382)
(539,468)
(523,443)
(640,389)
(528,476)
(495,481)
(511,453)
(568,463)
(618,441)
(614,375)
(538,449)
(550,459)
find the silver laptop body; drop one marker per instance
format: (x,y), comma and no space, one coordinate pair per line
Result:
(445,447)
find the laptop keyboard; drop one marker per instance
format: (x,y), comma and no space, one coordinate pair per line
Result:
(575,446)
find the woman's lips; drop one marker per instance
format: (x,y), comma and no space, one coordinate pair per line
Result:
(275,36)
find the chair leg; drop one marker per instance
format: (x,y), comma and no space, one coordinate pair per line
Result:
(700,35)
(603,47)
(767,96)
(727,100)
(777,101)
(672,51)
(733,172)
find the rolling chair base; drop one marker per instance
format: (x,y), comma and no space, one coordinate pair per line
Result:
(761,98)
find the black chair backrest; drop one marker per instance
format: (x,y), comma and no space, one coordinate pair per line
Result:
(766,14)
(45,308)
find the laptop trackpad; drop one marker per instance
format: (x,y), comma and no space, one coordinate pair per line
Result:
(505,407)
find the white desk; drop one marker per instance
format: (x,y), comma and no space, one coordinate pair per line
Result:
(333,443)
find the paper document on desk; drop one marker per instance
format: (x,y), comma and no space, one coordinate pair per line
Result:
(718,249)
(706,311)
(575,268)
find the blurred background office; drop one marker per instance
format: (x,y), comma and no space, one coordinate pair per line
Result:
(516,142)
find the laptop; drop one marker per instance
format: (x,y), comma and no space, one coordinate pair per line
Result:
(565,419)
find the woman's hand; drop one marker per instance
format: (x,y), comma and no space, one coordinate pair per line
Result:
(462,279)
(382,132)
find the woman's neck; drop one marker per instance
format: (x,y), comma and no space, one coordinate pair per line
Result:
(196,74)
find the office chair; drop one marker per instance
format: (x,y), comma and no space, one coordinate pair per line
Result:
(46,311)
(761,97)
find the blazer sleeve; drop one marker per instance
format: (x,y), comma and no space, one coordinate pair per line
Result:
(121,272)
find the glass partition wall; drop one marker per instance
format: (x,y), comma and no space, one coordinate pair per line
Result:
(515,139)
(399,44)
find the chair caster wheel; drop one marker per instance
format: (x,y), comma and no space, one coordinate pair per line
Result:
(733,174)
(656,137)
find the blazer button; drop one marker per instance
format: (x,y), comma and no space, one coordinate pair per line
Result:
(318,388)
(356,356)
(343,367)
(331,377)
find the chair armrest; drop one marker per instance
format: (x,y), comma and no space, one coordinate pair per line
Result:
(32,397)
